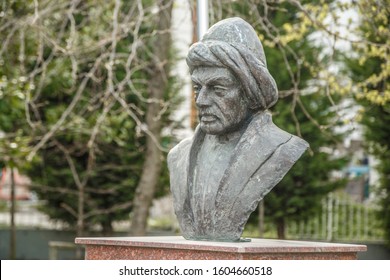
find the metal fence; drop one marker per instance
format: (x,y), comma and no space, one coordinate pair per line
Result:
(339,219)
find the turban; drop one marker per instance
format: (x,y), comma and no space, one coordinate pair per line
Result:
(232,43)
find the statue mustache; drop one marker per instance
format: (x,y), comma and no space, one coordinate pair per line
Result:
(208,112)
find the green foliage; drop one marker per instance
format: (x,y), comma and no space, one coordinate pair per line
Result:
(377,134)
(112,174)
(74,87)
(369,69)
(372,78)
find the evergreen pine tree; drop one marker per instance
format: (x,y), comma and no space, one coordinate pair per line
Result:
(92,63)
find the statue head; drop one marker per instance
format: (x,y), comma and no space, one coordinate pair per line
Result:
(230,76)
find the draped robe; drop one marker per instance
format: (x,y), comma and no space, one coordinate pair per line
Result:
(260,159)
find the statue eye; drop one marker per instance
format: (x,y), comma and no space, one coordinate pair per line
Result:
(219,90)
(197,88)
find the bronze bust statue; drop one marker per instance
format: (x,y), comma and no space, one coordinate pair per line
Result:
(237,155)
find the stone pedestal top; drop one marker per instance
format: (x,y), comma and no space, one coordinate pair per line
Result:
(175,247)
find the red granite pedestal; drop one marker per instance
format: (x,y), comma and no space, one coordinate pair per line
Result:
(177,248)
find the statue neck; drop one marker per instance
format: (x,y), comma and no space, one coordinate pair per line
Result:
(229,137)
(235,134)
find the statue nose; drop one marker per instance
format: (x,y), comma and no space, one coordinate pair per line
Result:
(203,98)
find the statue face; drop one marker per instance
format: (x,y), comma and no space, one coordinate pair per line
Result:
(218,96)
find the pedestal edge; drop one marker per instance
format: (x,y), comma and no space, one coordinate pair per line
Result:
(255,246)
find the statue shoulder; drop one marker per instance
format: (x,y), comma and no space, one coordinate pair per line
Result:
(179,150)
(295,146)
(294,142)
(298,143)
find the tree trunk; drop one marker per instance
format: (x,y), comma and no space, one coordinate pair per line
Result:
(80,219)
(12,254)
(261,218)
(157,86)
(194,111)
(281,228)
(107,228)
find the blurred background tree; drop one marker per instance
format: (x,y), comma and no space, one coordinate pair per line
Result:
(369,68)
(89,82)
